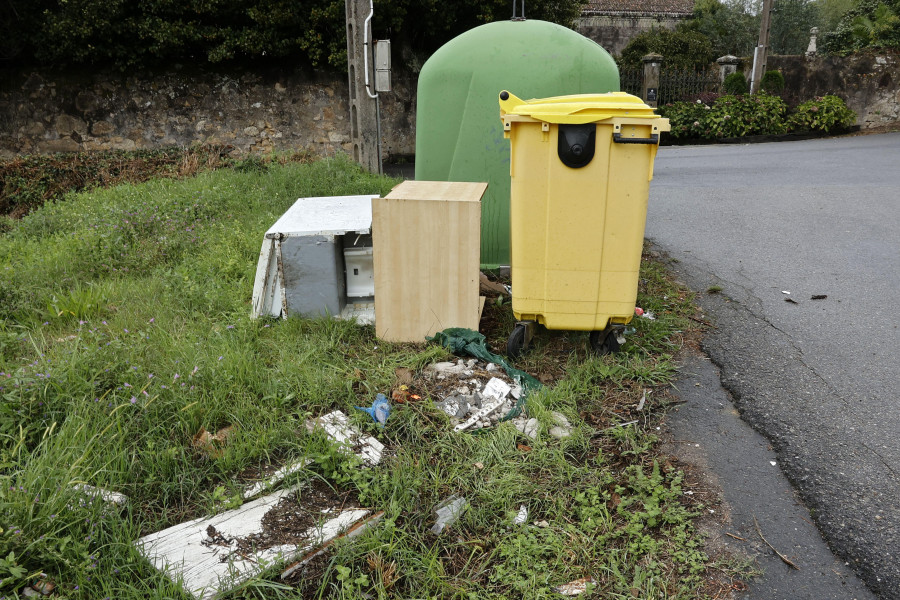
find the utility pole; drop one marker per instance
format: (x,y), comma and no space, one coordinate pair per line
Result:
(762,49)
(364,123)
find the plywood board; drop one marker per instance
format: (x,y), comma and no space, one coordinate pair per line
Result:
(426,236)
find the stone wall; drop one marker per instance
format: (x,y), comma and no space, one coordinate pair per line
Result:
(251,112)
(614,32)
(869,84)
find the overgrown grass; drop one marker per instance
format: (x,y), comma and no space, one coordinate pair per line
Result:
(26,182)
(124,330)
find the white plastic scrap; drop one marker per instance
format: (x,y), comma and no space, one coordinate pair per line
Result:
(447,512)
(574,588)
(522,517)
(496,388)
(94,492)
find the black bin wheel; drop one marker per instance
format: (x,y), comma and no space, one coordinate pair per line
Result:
(515,346)
(604,341)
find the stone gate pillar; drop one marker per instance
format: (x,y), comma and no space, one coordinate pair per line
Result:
(652,63)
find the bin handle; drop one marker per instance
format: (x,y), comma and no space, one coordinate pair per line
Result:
(653,139)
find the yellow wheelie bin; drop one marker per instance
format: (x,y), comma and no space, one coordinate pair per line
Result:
(580,169)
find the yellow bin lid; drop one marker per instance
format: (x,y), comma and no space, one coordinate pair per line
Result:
(577,109)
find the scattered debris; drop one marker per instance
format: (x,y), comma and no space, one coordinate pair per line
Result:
(379,411)
(563,428)
(492,287)
(207,555)
(791,300)
(474,403)
(785,292)
(212,444)
(541,524)
(784,558)
(478,465)
(401,395)
(42,587)
(528,427)
(737,537)
(522,516)
(640,312)
(337,426)
(523,448)
(818,296)
(447,512)
(574,588)
(94,492)
(352,532)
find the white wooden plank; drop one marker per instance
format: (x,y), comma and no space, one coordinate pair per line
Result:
(334,215)
(105,495)
(265,285)
(352,532)
(277,477)
(185,553)
(337,426)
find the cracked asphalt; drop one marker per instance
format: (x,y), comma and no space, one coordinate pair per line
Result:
(818,378)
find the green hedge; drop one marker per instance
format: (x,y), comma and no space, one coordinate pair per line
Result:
(758,114)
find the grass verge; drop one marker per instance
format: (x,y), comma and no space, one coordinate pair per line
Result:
(124,331)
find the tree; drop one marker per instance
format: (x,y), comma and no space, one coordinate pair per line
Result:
(791,23)
(870,24)
(129,34)
(682,49)
(732,26)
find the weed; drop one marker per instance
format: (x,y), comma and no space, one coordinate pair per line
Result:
(124,333)
(714,289)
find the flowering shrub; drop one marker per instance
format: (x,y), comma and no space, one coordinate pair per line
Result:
(687,119)
(824,113)
(737,116)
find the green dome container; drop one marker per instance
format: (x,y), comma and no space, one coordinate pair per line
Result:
(459,134)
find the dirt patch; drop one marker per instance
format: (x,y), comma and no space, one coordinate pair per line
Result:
(289,521)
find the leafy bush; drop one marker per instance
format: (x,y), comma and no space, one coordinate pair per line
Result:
(728,116)
(772,82)
(735,84)
(737,116)
(826,113)
(687,119)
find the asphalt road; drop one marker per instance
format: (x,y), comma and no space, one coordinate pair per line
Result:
(819,378)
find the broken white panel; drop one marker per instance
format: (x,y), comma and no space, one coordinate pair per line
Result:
(363,312)
(496,388)
(107,496)
(277,477)
(447,512)
(187,553)
(352,532)
(484,411)
(323,218)
(337,426)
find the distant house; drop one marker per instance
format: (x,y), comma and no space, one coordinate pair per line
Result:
(613,23)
